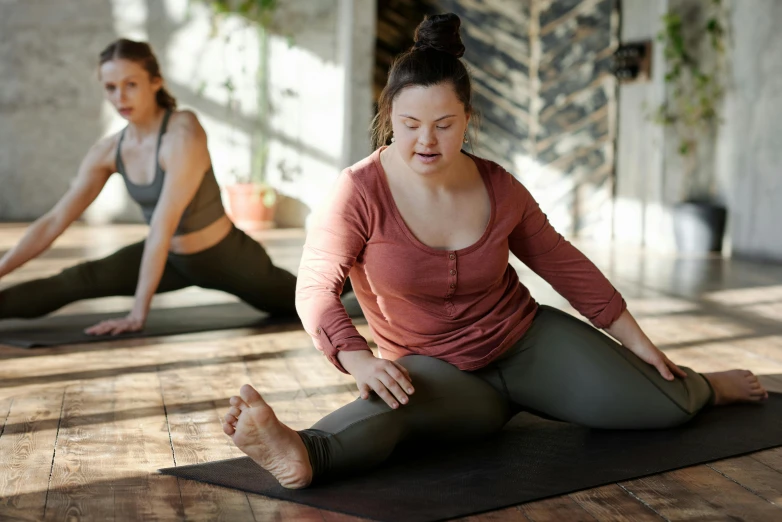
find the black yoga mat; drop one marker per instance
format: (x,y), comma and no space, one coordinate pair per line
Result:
(529,460)
(69,329)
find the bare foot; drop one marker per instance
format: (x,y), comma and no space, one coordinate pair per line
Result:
(255,430)
(736,386)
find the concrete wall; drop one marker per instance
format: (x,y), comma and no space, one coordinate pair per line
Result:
(50,100)
(745,160)
(319,67)
(749,155)
(641,215)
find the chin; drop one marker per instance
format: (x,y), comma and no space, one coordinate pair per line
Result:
(420,167)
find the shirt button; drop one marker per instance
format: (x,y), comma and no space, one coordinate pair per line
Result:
(452,256)
(453,285)
(453,272)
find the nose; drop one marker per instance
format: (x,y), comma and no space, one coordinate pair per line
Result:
(427,137)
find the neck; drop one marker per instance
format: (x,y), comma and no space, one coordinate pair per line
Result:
(148,125)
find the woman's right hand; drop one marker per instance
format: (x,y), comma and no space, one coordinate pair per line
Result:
(390,380)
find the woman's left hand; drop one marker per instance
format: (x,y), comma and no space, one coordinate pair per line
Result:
(649,353)
(131,323)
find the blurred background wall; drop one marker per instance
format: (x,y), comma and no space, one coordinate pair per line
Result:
(552,112)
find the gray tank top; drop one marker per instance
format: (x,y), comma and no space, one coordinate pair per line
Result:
(205,208)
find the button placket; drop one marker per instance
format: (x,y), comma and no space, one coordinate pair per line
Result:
(452,275)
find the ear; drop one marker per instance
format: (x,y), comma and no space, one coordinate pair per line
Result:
(156,83)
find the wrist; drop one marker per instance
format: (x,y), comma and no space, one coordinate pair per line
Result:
(351,360)
(139,313)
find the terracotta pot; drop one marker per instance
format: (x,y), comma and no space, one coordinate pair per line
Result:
(246,206)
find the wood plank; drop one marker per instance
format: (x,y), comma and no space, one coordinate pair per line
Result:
(556,509)
(614,503)
(5,410)
(112,439)
(700,492)
(197,435)
(26,452)
(324,386)
(771,458)
(273,510)
(752,474)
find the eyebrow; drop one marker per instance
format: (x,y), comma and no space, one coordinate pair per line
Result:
(416,119)
(126,78)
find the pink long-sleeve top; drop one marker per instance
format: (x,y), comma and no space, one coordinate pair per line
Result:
(463,306)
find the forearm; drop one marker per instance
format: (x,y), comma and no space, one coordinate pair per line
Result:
(38,237)
(153,263)
(354,359)
(627,331)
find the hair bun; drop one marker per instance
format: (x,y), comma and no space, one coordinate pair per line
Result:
(441,33)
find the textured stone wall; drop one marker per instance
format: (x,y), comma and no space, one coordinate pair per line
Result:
(543,88)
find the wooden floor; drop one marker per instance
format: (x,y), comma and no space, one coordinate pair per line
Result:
(83,428)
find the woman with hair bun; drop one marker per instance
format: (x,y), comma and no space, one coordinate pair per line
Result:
(424,230)
(162,156)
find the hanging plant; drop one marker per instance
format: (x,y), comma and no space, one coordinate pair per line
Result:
(693,54)
(260,12)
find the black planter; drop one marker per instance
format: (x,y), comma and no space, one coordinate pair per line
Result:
(699,226)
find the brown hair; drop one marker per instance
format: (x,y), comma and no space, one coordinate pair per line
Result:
(141,53)
(433,59)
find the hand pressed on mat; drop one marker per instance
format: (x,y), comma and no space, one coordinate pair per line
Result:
(130,323)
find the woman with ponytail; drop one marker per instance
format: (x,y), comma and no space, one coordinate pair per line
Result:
(163,158)
(424,230)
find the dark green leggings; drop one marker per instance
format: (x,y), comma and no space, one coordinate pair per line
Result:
(237,265)
(562,368)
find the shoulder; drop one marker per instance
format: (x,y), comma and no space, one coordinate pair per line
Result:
(502,181)
(185,124)
(184,131)
(103,152)
(511,196)
(364,174)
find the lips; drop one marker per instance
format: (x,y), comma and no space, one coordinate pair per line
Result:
(426,158)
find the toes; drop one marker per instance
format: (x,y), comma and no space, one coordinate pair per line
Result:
(235,412)
(228,429)
(251,396)
(238,402)
(231,419)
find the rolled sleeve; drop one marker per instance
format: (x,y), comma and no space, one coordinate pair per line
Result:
(611,312)
(329,254)
(331,350)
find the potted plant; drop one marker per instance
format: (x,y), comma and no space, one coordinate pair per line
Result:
(251,202)
(693,37)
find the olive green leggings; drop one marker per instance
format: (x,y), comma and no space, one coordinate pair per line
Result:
(562,368)
(237,265)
